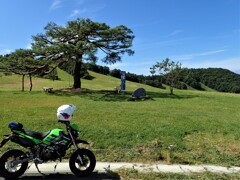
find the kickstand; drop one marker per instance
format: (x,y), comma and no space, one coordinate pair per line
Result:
(29,166)
(55,167)
(39,170)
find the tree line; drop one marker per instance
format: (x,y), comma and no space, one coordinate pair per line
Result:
(219,79)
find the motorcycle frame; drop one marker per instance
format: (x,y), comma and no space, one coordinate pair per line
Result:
(41,142)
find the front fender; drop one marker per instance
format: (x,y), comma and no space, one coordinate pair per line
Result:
(79,141)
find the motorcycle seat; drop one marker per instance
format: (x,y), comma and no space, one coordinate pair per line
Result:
(37,135)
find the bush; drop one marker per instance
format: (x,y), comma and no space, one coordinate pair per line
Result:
(235,89)
(181,85)
(7,73)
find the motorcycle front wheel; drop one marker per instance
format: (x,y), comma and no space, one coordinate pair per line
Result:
(85,167)
(7,170)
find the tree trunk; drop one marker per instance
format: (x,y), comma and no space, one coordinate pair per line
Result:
(76,74)
(30,79)
(23,82)
(171,86)
(171,90)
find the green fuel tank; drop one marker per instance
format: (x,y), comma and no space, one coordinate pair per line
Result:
(54,136)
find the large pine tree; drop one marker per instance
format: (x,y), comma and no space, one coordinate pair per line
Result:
(81,39)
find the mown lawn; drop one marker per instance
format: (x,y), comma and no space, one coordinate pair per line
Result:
(203,127)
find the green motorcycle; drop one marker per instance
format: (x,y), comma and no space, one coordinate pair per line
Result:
(47,146)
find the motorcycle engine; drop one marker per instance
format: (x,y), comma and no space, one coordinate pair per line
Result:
(53,152)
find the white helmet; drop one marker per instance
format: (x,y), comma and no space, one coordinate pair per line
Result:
(65,112)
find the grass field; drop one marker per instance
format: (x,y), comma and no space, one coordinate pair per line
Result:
(203,127)
(134,174)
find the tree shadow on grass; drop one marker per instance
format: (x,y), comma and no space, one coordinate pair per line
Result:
(168,95)
(108,95)
(97,95)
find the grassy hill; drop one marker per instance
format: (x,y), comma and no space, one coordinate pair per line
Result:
(217,79)
(100,82)
(202,126)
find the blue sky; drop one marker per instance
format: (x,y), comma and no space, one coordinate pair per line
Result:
(196,33)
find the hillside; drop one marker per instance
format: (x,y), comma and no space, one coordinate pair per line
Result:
(210,79)
(218,79)
(99,82)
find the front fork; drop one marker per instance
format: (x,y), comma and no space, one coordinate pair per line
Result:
(76,147)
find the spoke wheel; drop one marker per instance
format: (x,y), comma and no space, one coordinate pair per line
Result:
(7,169)
(84,167)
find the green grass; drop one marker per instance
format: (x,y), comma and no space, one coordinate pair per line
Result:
(206,88)
(134,174)
(202,126)
(100,82)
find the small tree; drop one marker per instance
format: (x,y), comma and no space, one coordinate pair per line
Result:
(24,62)
(170,70)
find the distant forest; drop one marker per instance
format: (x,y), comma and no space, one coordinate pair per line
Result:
(219,79)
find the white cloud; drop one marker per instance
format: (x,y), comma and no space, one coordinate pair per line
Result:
(5,51)
(161,44)
(29,46)
(74,13)
(201,60)
(232,64)
(132,64)
(117,65)
(174,33)
(194,55)
(56,5)
(86,10)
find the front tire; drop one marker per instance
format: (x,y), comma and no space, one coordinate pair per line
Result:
(7,170)
(89,162)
